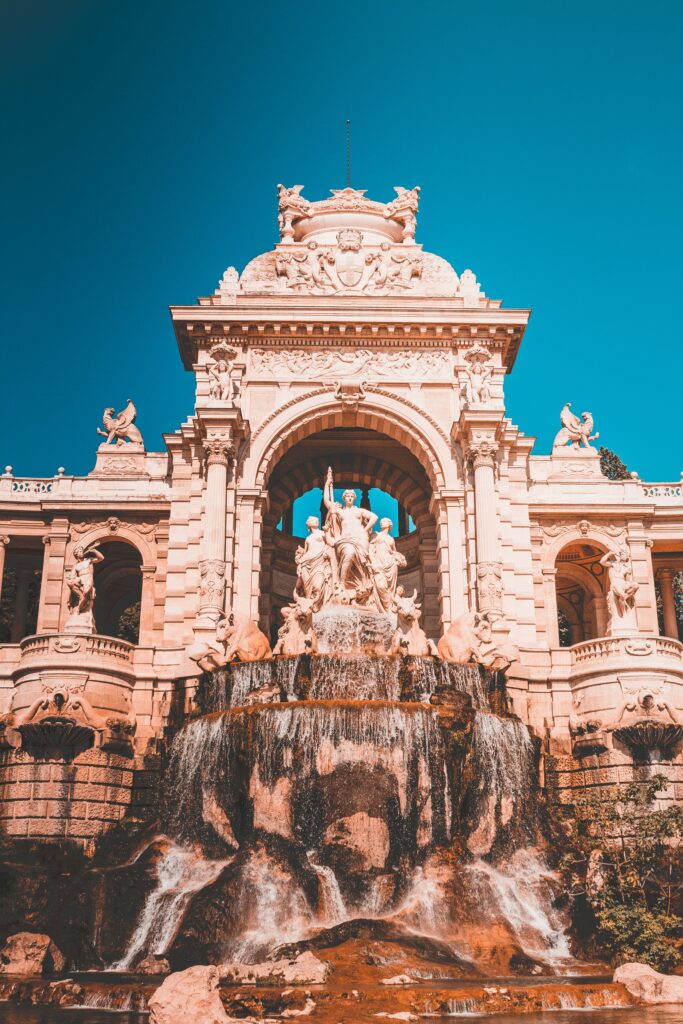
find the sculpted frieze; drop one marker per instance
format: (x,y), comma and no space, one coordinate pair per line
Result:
(312,364)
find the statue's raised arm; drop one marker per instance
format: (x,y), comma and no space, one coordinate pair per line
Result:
(328,490)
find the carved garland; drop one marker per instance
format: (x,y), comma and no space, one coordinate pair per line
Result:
(583,527)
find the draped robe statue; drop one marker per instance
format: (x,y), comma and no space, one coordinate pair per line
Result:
(348,529)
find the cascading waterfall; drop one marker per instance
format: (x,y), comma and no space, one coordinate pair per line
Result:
(362,781)
(503,758)
(180,874)
(521,891)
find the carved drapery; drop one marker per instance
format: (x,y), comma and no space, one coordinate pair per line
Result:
(220,451)
(481,452)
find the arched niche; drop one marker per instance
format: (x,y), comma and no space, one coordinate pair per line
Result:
(118,586)
(580,585)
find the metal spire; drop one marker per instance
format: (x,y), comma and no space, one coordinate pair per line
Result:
(348,153)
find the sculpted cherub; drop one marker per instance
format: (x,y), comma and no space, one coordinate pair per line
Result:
(120,428)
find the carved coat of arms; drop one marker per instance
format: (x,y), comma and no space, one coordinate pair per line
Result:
(349,261)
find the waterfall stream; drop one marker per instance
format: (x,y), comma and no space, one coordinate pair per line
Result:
(343,776)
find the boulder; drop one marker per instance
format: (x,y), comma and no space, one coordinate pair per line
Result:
(190,995)
(28,953)
(304,969)
(647,984)
(153,964)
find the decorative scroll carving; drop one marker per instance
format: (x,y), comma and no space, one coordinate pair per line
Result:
(489,585)
(584,527)
(212,582)
(481,450)
(120,428)
(63,719)
(350,393)
(574,431)
(229,284)
(114,525)
(470,289)
(645,719)
(338,363)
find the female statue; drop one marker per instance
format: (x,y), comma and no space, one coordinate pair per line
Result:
(386,561)
(348,530)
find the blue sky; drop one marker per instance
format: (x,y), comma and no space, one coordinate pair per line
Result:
(144,142)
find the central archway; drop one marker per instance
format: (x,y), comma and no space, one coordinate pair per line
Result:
(359,458)
(384,441)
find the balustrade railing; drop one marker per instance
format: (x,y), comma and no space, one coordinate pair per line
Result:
(87,645)
(634,646)
(664,490)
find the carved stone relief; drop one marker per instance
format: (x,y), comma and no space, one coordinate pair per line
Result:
(337,363)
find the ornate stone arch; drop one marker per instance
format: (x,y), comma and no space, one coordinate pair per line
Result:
(142,538)
(379,411)
(317,411)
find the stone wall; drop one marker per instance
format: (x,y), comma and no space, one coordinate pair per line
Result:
(79,799)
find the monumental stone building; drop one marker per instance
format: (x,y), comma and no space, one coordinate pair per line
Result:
(347,346)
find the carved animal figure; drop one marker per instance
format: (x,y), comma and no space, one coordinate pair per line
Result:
(243,639)
(411,639)
(470,638)
(296,635)
(574,430)
(120,428)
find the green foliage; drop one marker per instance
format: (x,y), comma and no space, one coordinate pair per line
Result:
(633,884)
(611,465)
(128,626)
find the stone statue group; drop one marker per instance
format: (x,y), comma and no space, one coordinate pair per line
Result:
(348,563)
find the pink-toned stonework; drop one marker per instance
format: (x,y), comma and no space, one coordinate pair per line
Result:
(347,346)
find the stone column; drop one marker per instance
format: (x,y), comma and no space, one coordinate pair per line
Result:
(219,450)
(4,541)
(666,587)
(481,452)
(18,631)
(147,605)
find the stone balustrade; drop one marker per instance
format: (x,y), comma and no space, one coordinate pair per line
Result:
(663,490)
(103,649)
(609,647)
(22,488)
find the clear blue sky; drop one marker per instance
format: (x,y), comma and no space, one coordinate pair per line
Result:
(144,139)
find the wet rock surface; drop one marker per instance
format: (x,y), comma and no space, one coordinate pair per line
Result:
(646,984)
(190,995)
(28,953)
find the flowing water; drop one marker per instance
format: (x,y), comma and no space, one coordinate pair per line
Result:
(282,761)
(180,874)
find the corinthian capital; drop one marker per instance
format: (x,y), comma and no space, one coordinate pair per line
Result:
(481,450)
(219,448)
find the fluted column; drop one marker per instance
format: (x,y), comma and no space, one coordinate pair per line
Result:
(666,589)
(219,450)
(4,541)
(481,452)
